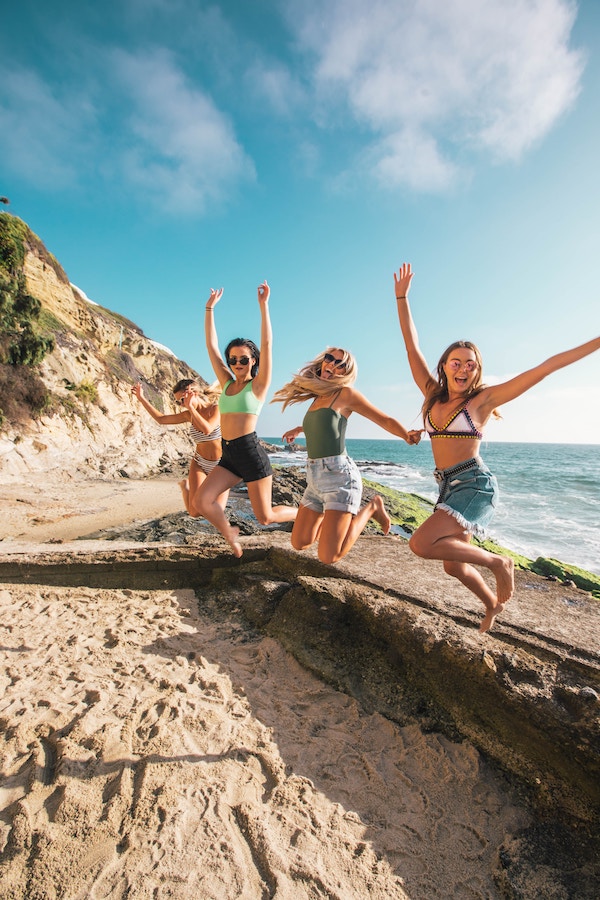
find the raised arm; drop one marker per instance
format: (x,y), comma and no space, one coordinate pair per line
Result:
(498,394)
(262,381)
(161,418)
(416,360)
(356,402)
(212,341)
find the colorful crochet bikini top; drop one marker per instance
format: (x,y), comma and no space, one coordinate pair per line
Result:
(459,425)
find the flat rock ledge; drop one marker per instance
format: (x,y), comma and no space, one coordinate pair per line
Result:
(395,633)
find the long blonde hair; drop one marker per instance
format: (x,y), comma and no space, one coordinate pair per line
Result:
(308,384)
(209,393)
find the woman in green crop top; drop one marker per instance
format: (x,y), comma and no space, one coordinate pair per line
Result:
(330,510)
(244,376)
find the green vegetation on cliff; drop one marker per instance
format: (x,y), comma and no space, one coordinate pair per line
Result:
(22,346)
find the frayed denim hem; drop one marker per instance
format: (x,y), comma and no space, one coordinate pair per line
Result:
(471,527)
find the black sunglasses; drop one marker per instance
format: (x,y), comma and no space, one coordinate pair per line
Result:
(233,361)
(338,363)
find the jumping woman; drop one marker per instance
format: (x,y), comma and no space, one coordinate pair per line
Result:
(330,510)
(198,407)
(456,408)
(244,376)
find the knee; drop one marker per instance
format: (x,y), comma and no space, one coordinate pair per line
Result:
(201,507)
(418,546)
(329,557)
(298,543)
(264,517)
(452,568)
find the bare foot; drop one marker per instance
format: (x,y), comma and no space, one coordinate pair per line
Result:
(380,514)
(504,572)
(231,539)
(489,618)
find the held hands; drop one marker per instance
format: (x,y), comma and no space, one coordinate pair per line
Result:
(263,293)
(402,281)
(290,436)
(413,437)
(214,298)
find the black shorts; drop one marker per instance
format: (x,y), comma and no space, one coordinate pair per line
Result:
(245,457)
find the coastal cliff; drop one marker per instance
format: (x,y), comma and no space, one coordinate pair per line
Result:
(85,419)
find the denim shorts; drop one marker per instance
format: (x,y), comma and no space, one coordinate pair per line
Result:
(332,482)
(245,457)
(469,493)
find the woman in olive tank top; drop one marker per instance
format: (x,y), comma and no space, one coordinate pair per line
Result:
(330,511)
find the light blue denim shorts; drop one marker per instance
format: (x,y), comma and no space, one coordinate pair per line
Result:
(332,482)
(469,493)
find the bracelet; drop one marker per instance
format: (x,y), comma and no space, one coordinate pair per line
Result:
(403,297)
(209,308)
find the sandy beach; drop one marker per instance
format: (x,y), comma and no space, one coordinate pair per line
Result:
(63,510)
(155,747)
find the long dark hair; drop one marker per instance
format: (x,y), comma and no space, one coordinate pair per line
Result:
(254,352)
(438,389)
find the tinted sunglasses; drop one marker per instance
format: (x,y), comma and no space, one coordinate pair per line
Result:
(469,366)
(338,363)
(234,361)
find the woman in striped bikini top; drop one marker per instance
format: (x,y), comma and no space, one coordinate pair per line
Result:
(198,407)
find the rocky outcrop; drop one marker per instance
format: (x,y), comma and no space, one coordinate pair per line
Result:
(386,628)
(94,425)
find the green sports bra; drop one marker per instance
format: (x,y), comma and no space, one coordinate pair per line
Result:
(243,402)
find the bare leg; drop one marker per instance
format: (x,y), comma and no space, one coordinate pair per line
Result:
(185,493)
(196,479)
(341,530)
(307,528)
(442,537)
(208,501)
(260,493)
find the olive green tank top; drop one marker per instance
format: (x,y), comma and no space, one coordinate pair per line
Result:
(325,432)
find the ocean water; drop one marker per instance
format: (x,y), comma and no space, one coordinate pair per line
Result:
(549,493)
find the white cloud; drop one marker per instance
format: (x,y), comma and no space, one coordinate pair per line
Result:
(182,147)
(44,131)
(274,83)
(464,75)
(143,126)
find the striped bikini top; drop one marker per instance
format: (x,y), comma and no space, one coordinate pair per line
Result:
(459,425)
(199,437)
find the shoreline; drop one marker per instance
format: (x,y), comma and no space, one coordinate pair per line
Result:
(54,510)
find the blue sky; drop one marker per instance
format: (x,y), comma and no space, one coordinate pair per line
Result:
(163,147)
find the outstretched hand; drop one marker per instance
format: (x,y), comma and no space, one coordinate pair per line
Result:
(263,292)
(137,390)
(402,281)
(214,297)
